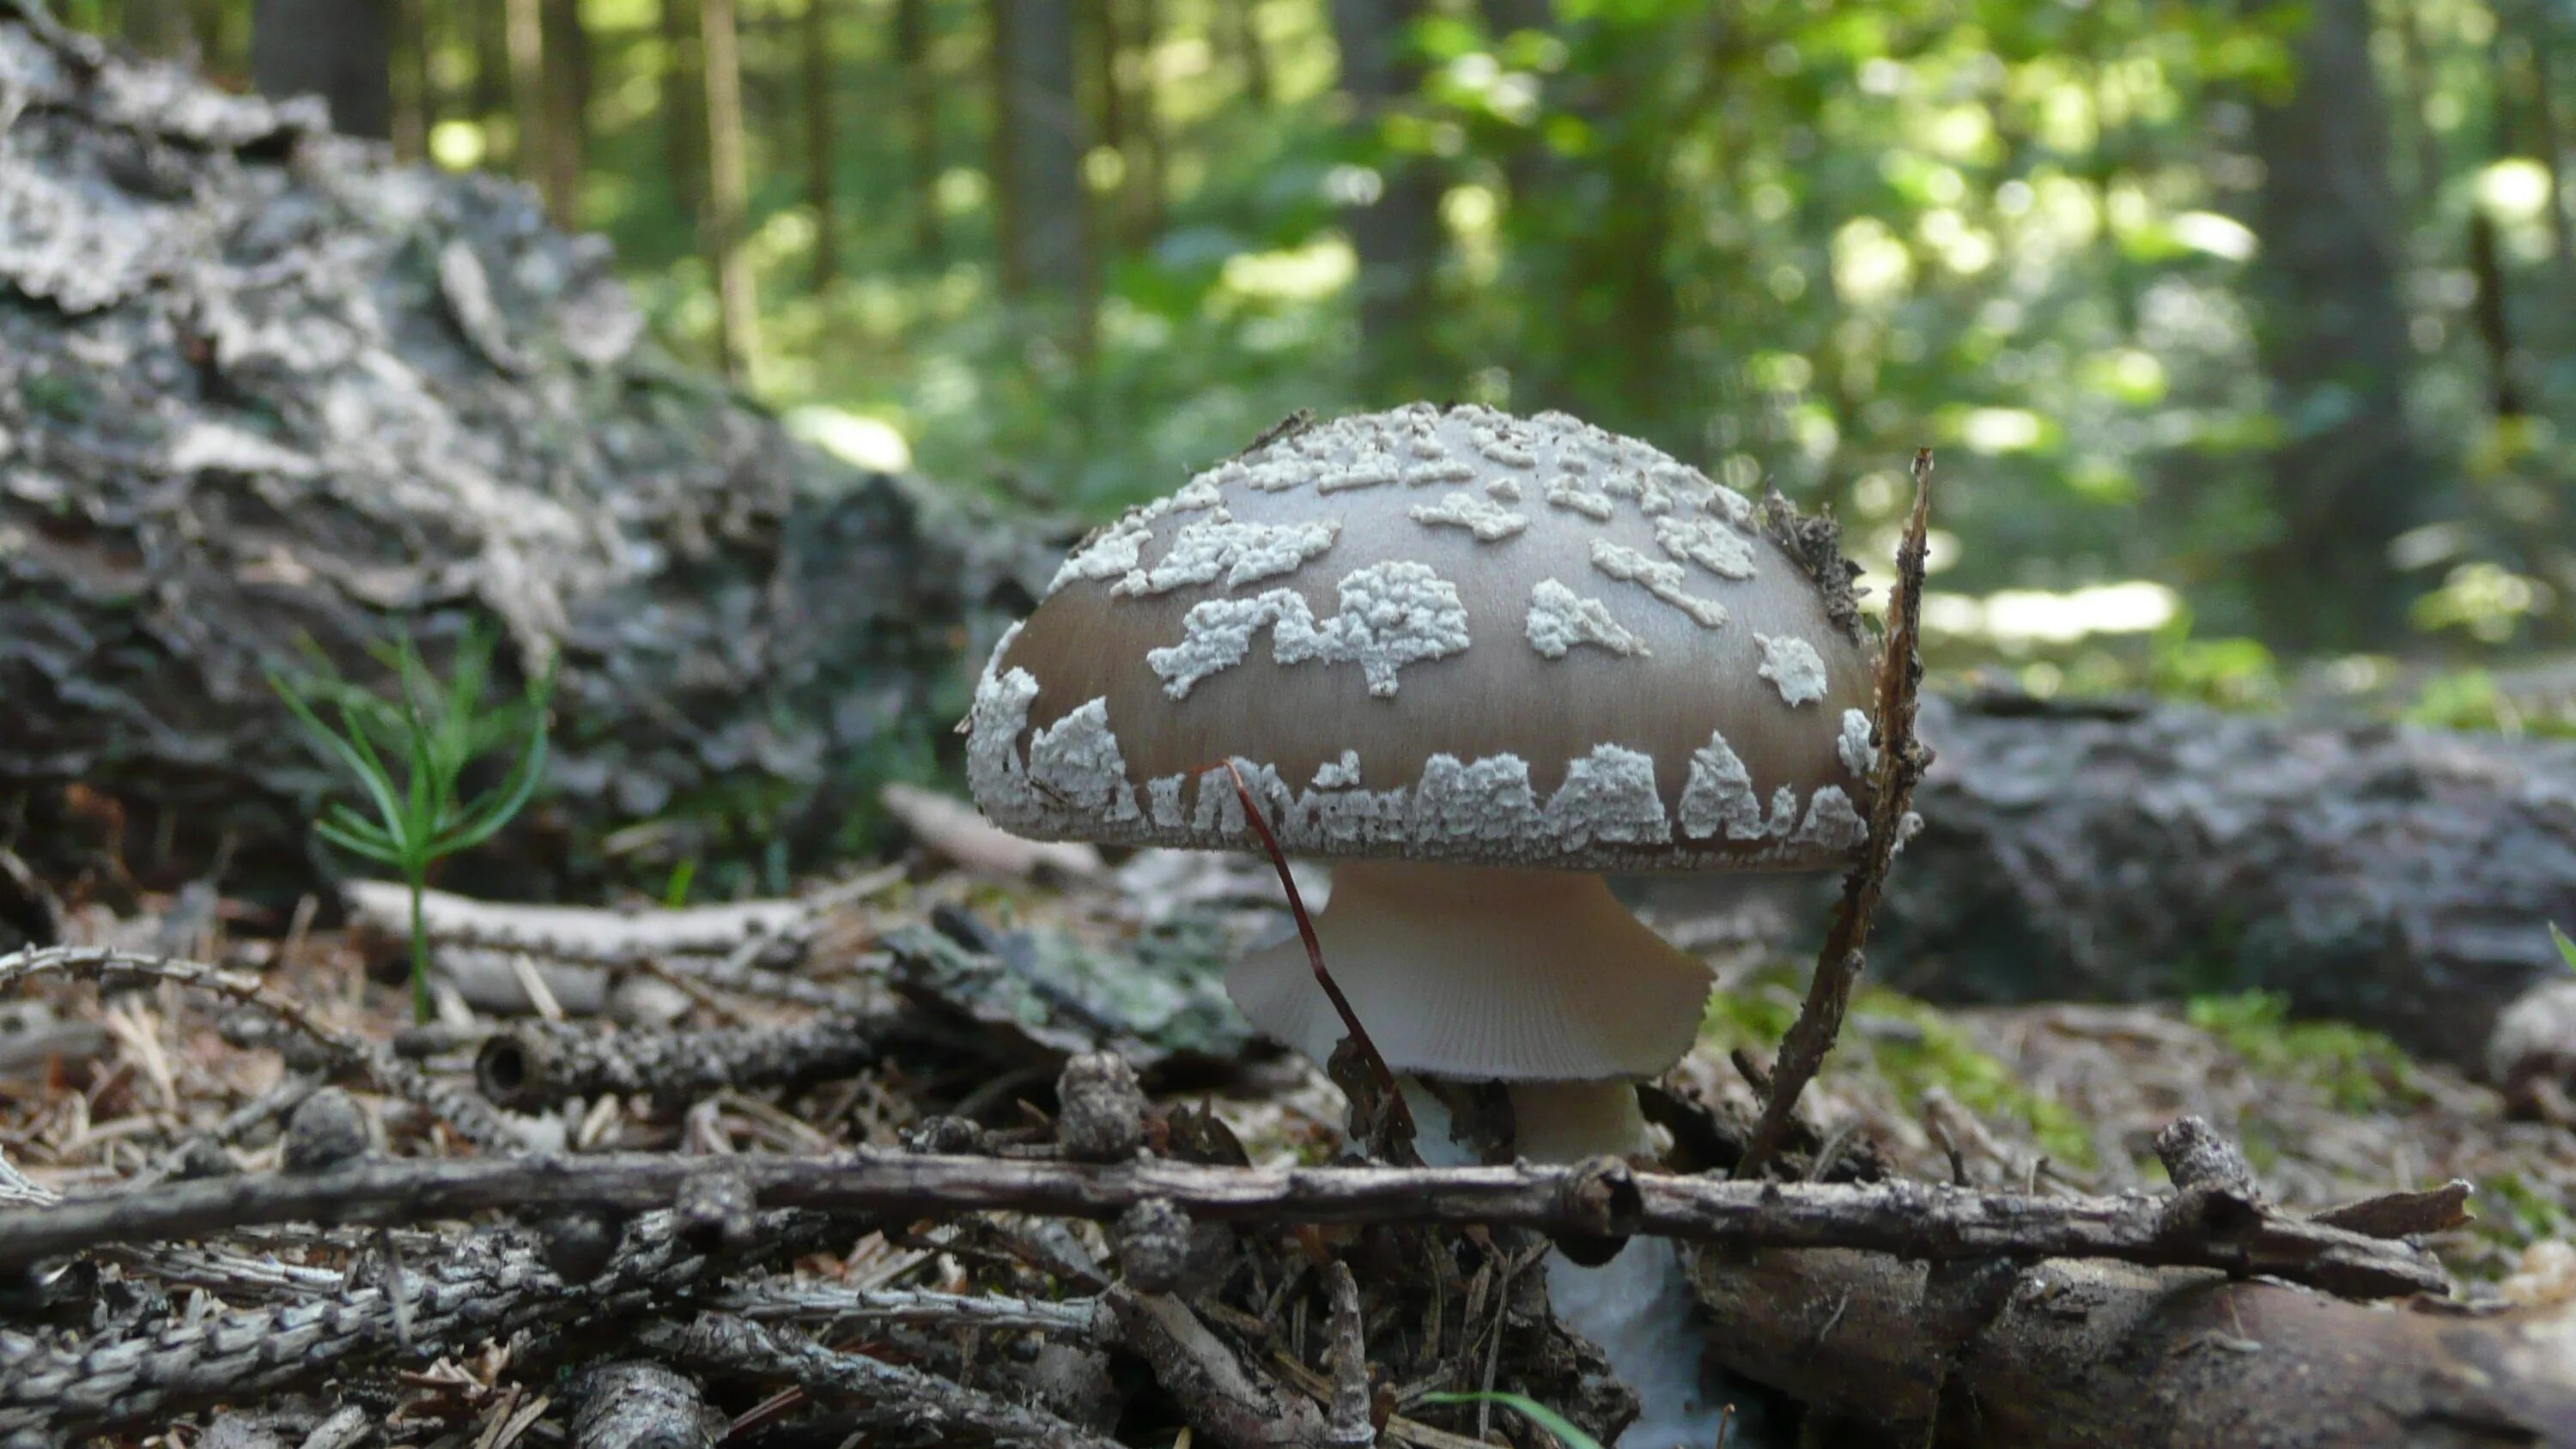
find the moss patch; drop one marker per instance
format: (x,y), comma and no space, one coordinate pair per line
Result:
(2356,1069)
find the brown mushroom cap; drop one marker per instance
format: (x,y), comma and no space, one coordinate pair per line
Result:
(1438,635)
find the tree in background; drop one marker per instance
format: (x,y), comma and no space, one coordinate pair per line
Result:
(340,50)
(815,39)
(1041,209)
(726,223)
(2347,478)
(1393,207)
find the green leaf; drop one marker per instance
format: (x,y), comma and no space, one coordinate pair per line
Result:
(2566,948)
(1528,1408)
(336,834)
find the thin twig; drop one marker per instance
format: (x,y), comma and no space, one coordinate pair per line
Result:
(1400,1115)
(1911,1219)
(1901,763)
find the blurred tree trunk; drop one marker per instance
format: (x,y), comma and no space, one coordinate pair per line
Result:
(491,91)
(1148,148)
(2346,476)
(564,66)
(1397,232)
(819,150)
(728,190)
(415,101)
(1043,205)
(920,84)
(527,43)
(341,50)
(1238,39)
(2536,72)
(160,28)
(684,109)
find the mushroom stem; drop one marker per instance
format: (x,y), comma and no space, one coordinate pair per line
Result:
(1483,973)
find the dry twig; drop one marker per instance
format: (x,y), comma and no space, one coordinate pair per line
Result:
(1901,762)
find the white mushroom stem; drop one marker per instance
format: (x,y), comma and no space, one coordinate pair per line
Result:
(1482,974)
(1541,980)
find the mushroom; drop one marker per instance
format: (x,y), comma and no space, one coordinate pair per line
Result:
(1475,661)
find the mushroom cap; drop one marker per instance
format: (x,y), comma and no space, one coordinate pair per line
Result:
(1448,635)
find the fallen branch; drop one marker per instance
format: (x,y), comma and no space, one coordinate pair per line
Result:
(2200,1228)
(484,1287)
(541,1064)
(1901,763)
(881,1397)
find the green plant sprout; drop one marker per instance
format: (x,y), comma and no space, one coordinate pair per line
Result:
(2566,948)
(434,732)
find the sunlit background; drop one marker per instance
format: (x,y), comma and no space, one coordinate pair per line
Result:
(2241,330)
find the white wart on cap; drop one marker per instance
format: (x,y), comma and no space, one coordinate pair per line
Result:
(1443,636)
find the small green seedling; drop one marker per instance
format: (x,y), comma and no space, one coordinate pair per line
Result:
(434,733)
(1555,1423)
(2566,948)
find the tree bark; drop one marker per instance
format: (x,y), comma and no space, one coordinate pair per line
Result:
(531,140)
(684,106)
(820,153)
(741,624)
(727,217)
(340,50)
(1397,231)
(2347,478)
(415,100)
(2401,878)
(564,64)
(920,85)
(1039,143)
(492,92)
(2080,1355)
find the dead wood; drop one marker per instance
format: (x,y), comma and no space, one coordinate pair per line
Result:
(595,934)
(1899,763)
(629,1405)
(2399,877)
(1232,1403)
(885,1397)
(481,1286)
(2201,1227)
(2095,1355)
(542,1064)
(258,382)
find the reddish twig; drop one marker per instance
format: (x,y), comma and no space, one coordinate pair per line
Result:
(1900,764)
(1402,1116)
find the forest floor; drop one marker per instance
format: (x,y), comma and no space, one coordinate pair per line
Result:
(115,1087)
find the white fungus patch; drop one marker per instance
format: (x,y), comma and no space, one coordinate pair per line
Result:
(1392,614)
(1240,553)
(1560,618)
(1609,795)
(1784,812)
(1649,496)
(1595,506)
(1197,494)
(1110,553)
(1489,522)
(1486,804)
(1220,806)
(1341,774)
(993,726)
(1831,822)
(1075,767)
(1858,755)
(1707,542)
(1719,796)
(1793,664)
(1659,578)
(1728,504)
(1348,819)
(1503,490)
(1369,470)
(1163,797)
(1504,440)
(1445,470)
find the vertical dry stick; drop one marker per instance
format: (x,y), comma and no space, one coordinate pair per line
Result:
(728,191)
(1901,762)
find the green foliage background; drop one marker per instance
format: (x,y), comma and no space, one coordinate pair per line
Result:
(1789,240)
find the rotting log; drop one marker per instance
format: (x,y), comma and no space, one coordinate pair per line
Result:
(2398,877)
(2092,1355)
(258,384)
